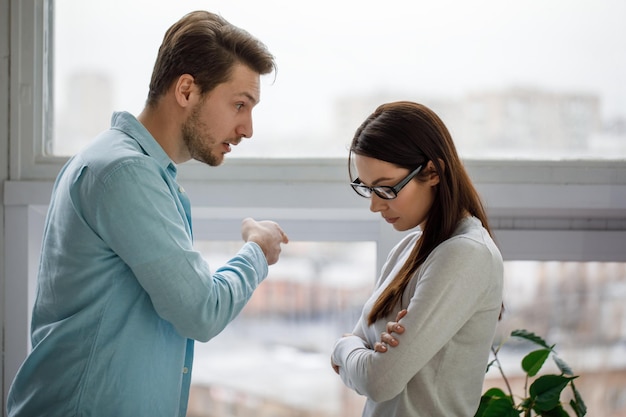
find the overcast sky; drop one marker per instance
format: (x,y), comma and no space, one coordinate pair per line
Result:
(330,48)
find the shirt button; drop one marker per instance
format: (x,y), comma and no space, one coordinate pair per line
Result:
(185,370)
(181,189)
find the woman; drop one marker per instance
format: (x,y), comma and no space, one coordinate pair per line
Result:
(439,294)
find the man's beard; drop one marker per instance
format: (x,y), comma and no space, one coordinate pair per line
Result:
(196,146)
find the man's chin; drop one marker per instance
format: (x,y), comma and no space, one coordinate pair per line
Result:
(213,161)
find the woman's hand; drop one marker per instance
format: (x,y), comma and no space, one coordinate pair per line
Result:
(336,367)
(386,338)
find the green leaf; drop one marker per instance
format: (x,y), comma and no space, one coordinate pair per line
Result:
(495,393)
(564,368)
(546,391)
(577,404)
(526,404)
(501,407)
(525,334)
(557,411)
(543,394)
(532,363)
(493,401)
(484,403)
(580,412)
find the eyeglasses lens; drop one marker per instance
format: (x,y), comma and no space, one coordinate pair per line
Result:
(362,190)
(385,192)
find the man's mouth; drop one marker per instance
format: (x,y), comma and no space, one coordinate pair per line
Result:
(228,144)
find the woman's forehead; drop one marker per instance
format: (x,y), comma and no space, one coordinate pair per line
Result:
(371,170)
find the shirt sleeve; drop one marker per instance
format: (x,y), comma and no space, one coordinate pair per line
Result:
(446,295)
(134,210)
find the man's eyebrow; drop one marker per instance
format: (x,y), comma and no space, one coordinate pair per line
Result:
(250,97)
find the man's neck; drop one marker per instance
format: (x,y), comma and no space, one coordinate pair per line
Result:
(165,128)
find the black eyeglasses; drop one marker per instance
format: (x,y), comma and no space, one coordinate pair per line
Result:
(383,191)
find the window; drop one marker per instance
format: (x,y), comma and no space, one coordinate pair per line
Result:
(548,89)
(579,306)
(276,354)
(542,130)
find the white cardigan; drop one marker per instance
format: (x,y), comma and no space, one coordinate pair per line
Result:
(453,303)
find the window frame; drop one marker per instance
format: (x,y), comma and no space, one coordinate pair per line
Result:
(539,210)
(31,44)
(575,210)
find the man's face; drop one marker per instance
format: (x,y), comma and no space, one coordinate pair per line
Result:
(223,117)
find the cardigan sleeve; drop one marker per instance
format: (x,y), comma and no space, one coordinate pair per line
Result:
(448,290)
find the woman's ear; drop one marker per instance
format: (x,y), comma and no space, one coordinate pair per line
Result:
(431,172)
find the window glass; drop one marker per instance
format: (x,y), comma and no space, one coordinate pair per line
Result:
(274,359)
(533,79)
(580,308)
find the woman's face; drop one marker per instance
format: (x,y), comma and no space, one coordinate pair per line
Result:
(412,205)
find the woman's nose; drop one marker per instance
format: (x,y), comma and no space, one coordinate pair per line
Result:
(376,203)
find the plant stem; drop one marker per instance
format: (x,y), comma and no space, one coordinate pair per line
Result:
(506,381)
(526,386)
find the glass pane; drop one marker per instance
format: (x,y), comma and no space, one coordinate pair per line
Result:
(511,80)
(274,358)
(579,307)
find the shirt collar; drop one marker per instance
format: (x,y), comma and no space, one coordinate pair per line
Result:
(129,124)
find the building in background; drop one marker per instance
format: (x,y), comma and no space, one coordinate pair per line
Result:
(508,123)
(274,359)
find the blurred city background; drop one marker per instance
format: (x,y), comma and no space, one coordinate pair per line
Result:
(534,80)
(274,359)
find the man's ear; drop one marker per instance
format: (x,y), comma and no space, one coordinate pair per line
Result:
(183,88)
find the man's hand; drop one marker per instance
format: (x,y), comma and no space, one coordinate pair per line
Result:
(267,234)
(386,338)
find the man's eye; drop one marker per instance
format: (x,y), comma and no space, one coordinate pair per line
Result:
(239,106)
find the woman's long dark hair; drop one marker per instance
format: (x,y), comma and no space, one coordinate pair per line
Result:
(409,134)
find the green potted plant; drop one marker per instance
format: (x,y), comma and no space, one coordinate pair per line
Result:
(543,396)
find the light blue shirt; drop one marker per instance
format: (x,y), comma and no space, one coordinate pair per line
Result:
(121,292)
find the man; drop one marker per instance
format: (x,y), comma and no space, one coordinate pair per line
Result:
(122,294)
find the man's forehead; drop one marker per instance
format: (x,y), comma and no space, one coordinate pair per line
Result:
(245,83)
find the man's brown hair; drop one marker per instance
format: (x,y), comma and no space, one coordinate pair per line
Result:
(205,46)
